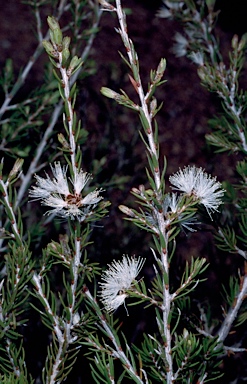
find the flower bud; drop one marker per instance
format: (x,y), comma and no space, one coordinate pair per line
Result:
(65,56)
(55,32)
(75,62)
(74,65)
(66,42)
(202,73)
(65,51)
(63,141)
(50,49)
(243,42)
(16,169)
(53,23)
(153,106)
(126,210)
(235,42)
(135,190)
(56,36)
(110,93)
(160,70)
(185,333)
(142,189)
(106,6)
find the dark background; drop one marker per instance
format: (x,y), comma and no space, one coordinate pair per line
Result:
(113,133)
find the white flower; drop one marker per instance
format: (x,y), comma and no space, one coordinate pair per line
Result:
(170,203)
(169,7)
(195,182)
(55,193)
(76,319)
(180,48)
(164,13)
(117,280)
(197,58)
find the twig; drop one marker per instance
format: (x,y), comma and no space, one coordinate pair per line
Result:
(133,59)
(118,352)
(22,77)
(56,113)
(232,314)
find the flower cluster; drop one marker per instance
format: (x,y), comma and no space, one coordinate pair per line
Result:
(118,279)
(197,183)
(56,193)
(169,8)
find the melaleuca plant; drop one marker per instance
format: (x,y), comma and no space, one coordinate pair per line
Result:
(221,75)
(55,276)
(28,273)
(168,355)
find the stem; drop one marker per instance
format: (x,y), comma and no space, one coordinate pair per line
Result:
(241,252)
(167,297)
(76,262)
(10,212)
(229,80)
(232,314)
(22,78)
(56,113)
(119,353)
(70,117)
(15,367)
(51,379)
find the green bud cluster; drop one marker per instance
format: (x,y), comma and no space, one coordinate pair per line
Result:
(60,45)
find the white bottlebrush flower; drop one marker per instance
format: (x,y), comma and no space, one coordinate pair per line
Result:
(195,182)
(55,193)
(118,279)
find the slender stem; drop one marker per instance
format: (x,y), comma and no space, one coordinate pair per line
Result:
(133,59)
(17,273)
(10,212)
(229,81)
(70,117)
(21,79)
(15,367)
(38,23)
(75,263)
(51,379)
(56,113)
(118,352)
(241,252)
(232,313)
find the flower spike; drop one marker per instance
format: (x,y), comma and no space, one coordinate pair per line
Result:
(197,183)
(55,193)
(118,279)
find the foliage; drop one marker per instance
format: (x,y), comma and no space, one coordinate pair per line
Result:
(58,280)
